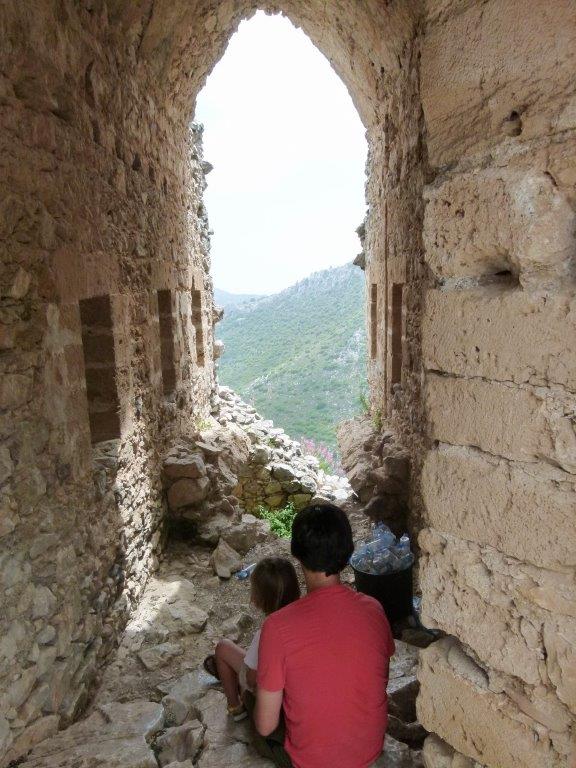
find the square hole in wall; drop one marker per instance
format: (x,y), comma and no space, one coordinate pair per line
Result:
(397,333)
(100,368)
(197,312)
(167,359)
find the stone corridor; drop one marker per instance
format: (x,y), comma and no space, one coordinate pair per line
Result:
(108,357)
(156,706)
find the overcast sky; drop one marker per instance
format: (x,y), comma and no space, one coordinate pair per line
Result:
(288,149)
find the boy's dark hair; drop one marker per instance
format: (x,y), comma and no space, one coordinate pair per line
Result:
(322,538)
(274,584)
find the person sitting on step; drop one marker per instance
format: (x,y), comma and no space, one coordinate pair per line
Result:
(273,585)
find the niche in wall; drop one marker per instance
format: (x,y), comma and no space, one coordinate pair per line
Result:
(100,368)
(373,321)
(397,334)
(197,312)
(166,321)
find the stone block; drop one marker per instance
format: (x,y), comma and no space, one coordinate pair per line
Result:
(481,596)
(487,61)
(456,703)
(491,221)
(187,491)
(246,534)
(15,390)
(180,743)
(532,333)
(225,560)
(521,423)
(191,465)
(437,754)
(492,501)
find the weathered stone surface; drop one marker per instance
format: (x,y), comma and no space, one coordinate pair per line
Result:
(478,497)
(116,735)
(437,754)
(467,588)
(181,695)
(159,655)
(225,560)
(508,66)
(522,423)
(487,222)
(398,755)
(191,466)
(186,492)
(499,734)
(180,743)
(531,332)
(248,532)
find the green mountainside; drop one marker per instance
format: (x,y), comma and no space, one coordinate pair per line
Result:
(299,356)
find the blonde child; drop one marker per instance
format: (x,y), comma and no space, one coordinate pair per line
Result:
(273,585)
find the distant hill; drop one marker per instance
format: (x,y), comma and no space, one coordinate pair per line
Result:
(300,355)
(225,299)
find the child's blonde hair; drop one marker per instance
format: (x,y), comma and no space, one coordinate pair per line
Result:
(274,584)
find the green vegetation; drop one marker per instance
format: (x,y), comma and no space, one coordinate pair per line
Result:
(300,356)
(280,519)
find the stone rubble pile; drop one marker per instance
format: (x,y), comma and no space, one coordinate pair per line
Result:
(277,471)
(156,707)
(216,477)
(378,469)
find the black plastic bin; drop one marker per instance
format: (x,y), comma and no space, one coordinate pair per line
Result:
(392,590)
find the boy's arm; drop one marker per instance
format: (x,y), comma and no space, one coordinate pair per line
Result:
(270,679)
(267,712)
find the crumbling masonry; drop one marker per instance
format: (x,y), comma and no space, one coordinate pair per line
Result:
(107,334)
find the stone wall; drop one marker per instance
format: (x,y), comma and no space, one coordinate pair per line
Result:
(469,243)
(100,210)
(95,203)
(497,568)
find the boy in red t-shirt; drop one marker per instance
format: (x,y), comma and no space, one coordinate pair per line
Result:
(324,659)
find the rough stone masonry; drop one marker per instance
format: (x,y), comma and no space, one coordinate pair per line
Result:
(107,334)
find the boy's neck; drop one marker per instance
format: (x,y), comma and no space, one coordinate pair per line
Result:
(318,580)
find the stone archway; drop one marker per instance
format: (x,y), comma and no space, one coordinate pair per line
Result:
(468,108)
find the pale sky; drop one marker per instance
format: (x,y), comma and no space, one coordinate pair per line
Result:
(288,149)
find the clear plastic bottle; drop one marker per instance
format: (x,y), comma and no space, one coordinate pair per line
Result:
(403,552)
(404,543)
(383,534)
(245,572)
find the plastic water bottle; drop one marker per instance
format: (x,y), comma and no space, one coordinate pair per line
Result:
(383,534)
(245,572)
(404,543)
(405,556)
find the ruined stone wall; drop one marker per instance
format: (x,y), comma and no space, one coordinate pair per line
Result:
(104,262)
(99,209)
(498,565)
(396,274)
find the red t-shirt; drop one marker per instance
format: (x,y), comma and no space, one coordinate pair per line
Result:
(329,652)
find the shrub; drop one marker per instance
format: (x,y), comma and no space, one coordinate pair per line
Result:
(280,519)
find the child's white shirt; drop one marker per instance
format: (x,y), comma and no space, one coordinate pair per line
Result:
(251,658)
(250,662)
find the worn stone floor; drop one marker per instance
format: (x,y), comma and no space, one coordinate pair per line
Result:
(156,706)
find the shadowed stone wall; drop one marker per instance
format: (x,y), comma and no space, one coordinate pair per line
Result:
(470,114)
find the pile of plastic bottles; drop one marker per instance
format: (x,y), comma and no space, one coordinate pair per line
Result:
(383,553)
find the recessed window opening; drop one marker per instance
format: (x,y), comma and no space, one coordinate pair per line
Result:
(284,200)
(197,314)
(100,367)
(397,329)
(373,320)
(166,322)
